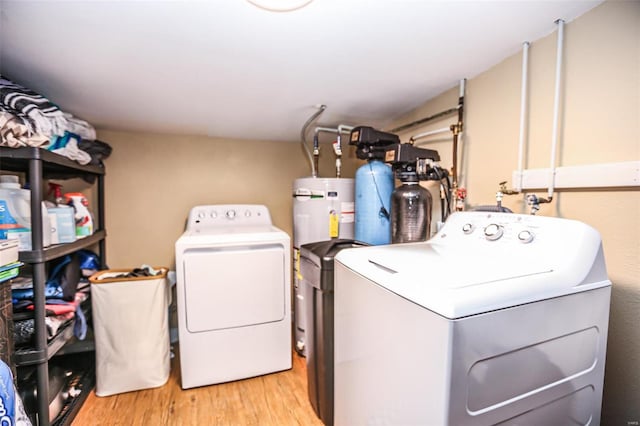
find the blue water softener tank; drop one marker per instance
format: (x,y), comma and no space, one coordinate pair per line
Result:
(374,185)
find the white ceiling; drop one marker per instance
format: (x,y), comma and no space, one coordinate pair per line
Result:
(226,68)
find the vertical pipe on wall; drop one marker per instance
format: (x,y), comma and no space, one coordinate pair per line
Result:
(523,113)
(556,109)
(457,130)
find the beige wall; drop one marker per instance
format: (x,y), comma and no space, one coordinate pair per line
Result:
(153,180)
(601,124)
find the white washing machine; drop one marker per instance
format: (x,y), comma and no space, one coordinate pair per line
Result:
(498,319)
(234,295)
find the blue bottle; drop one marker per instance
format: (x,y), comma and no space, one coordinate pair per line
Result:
(374,185)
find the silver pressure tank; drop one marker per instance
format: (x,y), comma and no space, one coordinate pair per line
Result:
(411,206)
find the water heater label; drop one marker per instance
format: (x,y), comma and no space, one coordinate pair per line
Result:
(334,225)
(347,212)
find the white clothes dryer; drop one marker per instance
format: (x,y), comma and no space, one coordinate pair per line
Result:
(234,295)
(498,319)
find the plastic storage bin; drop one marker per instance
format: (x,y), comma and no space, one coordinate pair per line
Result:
(130,321)
(316,268)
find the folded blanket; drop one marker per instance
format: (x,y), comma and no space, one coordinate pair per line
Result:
(14,133)
(37,112)
(24,330)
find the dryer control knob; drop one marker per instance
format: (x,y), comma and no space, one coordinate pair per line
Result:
(201,215)
(525,236)
(231,214)
(213,214)
(467,228)
(247,213)
(493,232)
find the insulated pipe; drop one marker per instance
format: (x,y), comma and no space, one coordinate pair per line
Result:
(457,129)
(414,138)
(303,138)
(556,109)
(523,112)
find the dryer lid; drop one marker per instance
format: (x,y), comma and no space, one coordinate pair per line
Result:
(480,262)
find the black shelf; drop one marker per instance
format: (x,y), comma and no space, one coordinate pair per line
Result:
(14,160)
(83,381)
(38,164)
(58,250)
(29,356)
(74,346)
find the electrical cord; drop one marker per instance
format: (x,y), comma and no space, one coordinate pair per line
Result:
(444,177)
(383,211)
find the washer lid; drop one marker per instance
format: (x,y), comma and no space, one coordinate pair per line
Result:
(480,262)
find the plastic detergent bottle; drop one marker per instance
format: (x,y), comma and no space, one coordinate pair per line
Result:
(62,217)
(15,210)
(84,219)
(15,213)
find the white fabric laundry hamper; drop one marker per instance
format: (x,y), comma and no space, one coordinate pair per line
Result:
(131,327)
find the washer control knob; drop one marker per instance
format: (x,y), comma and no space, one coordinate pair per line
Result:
(247,213)
(493,232)
(201,215)
(525,236)
(213,214)
(467,228)
(231,214)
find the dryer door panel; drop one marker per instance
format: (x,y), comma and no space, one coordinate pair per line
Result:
(226,288)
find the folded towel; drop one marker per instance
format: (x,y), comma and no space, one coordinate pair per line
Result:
(72,151)
(14,133)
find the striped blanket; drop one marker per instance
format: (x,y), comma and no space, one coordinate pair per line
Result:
(27,113)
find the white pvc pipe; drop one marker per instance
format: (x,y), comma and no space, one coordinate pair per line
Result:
(556,108)
(523,112)
(461,176)
(343,128)
(430,133)
(325,129)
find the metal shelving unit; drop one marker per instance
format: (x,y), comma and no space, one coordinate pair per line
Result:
(39,164)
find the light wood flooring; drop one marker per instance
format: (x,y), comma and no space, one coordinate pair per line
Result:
(274,399)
